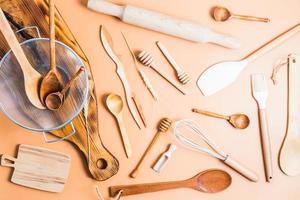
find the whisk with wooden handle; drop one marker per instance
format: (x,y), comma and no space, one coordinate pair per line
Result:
(163,127)
(146,59)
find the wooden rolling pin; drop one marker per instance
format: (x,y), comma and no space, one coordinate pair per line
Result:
(163,23)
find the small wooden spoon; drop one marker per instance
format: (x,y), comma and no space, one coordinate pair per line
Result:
(52,82)
(221,14)
(54,100)
(115,105)
(210,181)
(239,121)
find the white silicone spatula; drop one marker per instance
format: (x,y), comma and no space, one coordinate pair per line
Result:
(220,75)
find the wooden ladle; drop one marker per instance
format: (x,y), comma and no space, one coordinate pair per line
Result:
(52,81)
(54,100)
(239,121)
(32,78)
(221,14)
(209,181)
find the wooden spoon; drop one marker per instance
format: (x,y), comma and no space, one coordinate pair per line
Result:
(210,181)
(32,78)
(239,121)
(52,82)
(221,14)
(115,105)
(54,100)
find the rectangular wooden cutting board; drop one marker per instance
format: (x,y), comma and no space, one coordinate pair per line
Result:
(23,13)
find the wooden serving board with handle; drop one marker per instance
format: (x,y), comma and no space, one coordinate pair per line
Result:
(38,168)
(22,13)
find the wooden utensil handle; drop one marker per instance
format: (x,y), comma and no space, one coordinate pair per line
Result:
(273,43)
(250,18)
(8,161)
(145,188)
(211,114)
(125,138)
(265,142)
(13,43)
(252,176)
(135,172)
(52,34)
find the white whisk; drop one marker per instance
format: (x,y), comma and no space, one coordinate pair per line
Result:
(216,152)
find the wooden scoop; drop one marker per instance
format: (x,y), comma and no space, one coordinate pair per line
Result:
(32,78)
(210,181)
(54,100)
(52,82)
(239,121)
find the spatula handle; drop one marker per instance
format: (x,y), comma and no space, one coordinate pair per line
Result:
(145,188)
(243,170)
(273,43)
(265,142)
(52,34)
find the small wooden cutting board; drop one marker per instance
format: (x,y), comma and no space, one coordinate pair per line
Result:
(39,168)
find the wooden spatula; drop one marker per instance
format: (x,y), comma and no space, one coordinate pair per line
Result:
(38,168)
(209,181)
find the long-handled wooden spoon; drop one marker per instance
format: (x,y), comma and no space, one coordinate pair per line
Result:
(115,105)
(221,14)
(52,82)
(32,78)
(210,181)
(54,100)
(240,121)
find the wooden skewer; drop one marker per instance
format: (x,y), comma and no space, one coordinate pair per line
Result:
(146,59)
(163,127)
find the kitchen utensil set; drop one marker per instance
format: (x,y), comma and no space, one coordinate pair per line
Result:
(209,181)
(240,121)
(289,157)
(221,14)
(130,96)
(222,74)
(163,127)
(162,161)
(185,132)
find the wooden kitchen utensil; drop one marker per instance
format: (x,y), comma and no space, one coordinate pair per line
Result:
(185,129)
(54,101)
(289,157)
(32,78)
(131,98)
(163,127)
(162,23)
(101,164)
(240,121)
(260,94)
(209,181)
(52,82)
(221,14)
(222,74)
(146,59)
(181,75)
(142,74)
(39,168)
(115,105)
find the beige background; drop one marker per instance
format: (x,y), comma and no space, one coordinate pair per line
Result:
(243,145)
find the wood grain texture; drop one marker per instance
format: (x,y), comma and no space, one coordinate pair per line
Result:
(39,168)
(101,163)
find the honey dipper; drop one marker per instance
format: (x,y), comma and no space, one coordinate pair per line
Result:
(163,127)
(146,59)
